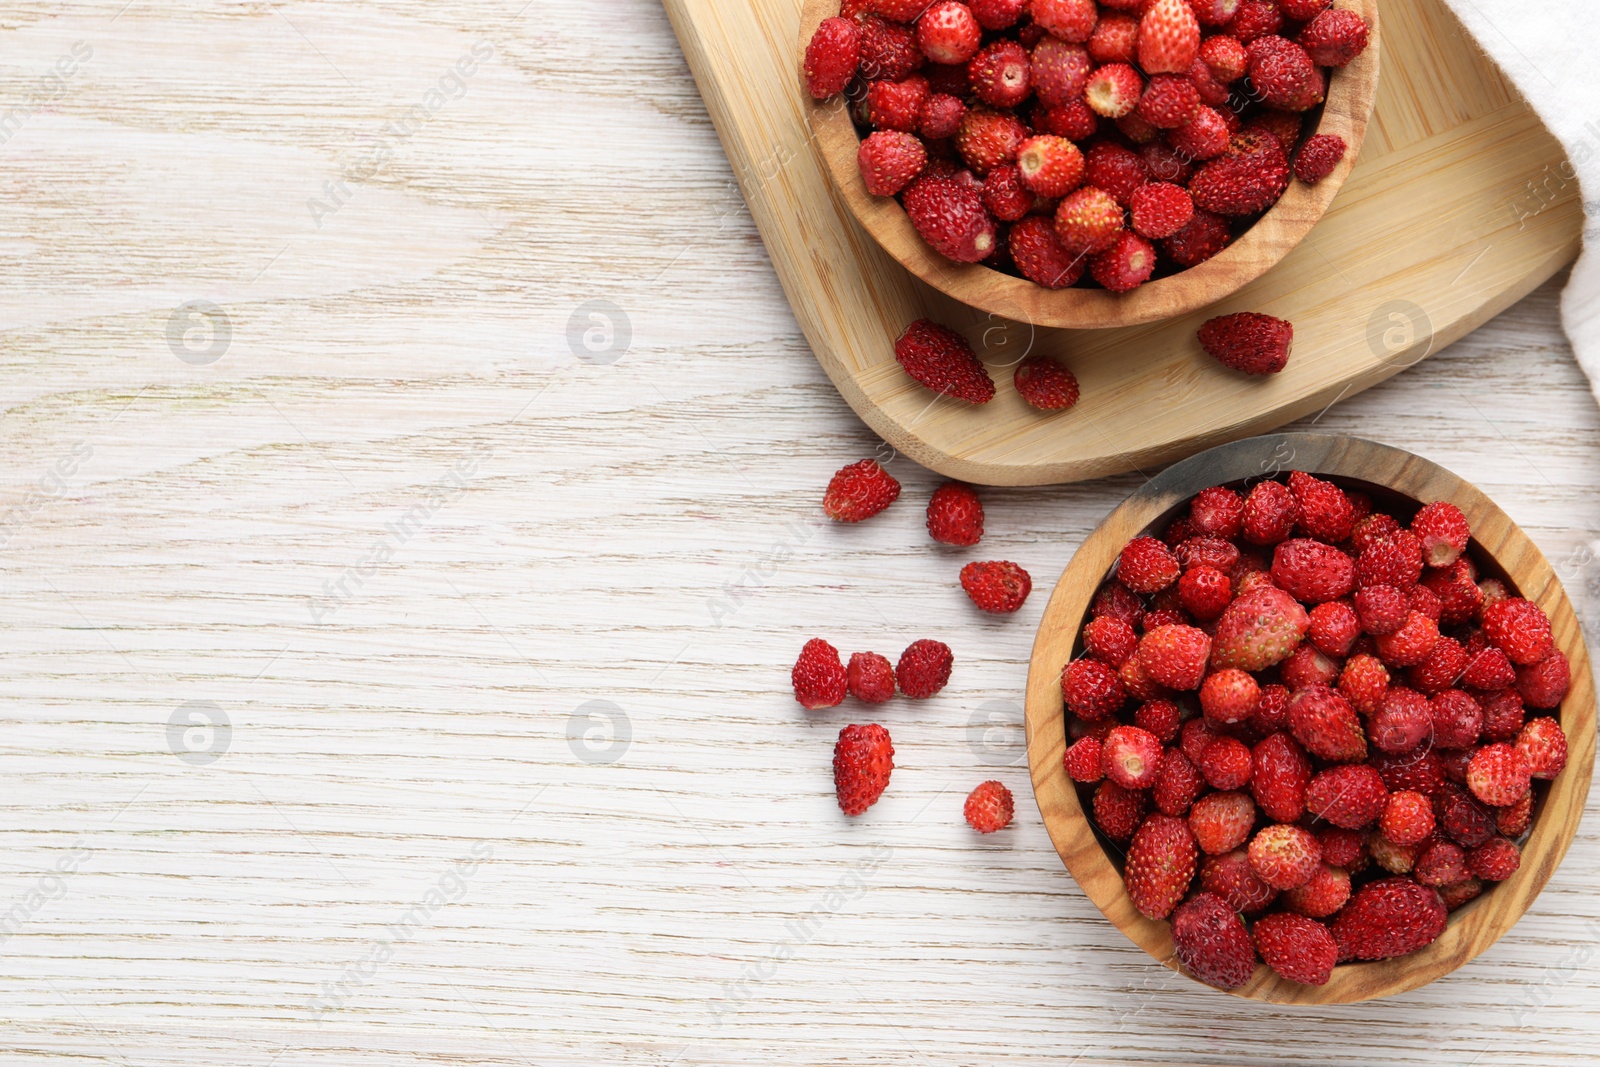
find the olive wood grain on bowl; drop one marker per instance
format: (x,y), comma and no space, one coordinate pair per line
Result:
(1499,547)
(1351,93)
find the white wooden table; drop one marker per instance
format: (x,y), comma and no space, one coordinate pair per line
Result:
(385,684)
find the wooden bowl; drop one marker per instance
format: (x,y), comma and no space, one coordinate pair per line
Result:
(1351,92)
(1392,476)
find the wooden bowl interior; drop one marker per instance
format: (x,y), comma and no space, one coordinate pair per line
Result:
(1397,481)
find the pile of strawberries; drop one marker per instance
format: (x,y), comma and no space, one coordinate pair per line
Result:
(1063,138)
(1296,710)
(863,757)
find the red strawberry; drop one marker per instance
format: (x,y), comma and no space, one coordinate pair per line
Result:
(1324,510)
(1175,656)
(1495,861)
(1203,237)
(863,759)
(1381,609)
(1394,560)
(859,491)
(1351,795)
(1117,170)
(1281,772)
(870,677)
(1113,90)
(1000,74)
(1169,37)
(1205,592)
(1270,512)
(1044,260)
(1407,818)
(998,587)
(1503,714)
(1248,342)
(940,117)
(1091,690)
(1519,629)
(899,10)
(1050,166)
(1160,209)
(1256,18)
(1005,197)
(1326,725)
(1334,628)
(1161,718)
(832,57)
(1272,711)
(1126,265)
(1409,645)
(988,808)
(1178,783)
(1404,720)
(897,105)
(1440,863)
(1542,744)
(1109,640)
(1059,71)
(988,138)
(1082,760)
(1225,763)
(1296,947)
(1115,38)
(1246,180)
(1514,821)
(1118,811)
(1465,819)
(1396,859)
(1324,893)
(818,676)
(889,51)
(1211,940)
(1074,120)
(1089,220)
(1045,383)
(1258,629)
(1284,75)
(1335,37)
(950,216)
(1498,775)
(955,515)
(1221,822)
(1311,571)
(1160,865)
(1145,565)
(998,14)
(1070,20)
(1229,696)
(1284,856)
(1421,770)
(941,359)
(1225,57)
(924,668)
(1318,157)
(1230,877)
(948,33)
(1169,102)
(889,160)
(1441,668)
(1442,531)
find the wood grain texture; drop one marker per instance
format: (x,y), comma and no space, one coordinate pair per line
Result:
(1450,215)
(1498,546)
(1352,91)
(645,533)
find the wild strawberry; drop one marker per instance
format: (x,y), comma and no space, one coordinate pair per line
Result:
(1280,775)
(1392,857)
(998,14)
(1409,645)
(1070,20)
(1335,37)
(1442,531)
(1082,760)
(1324,511)
(1302,10)
(1442,667)
(1381,609)
(940,117)
(988,807)
(1175,656)
(1229,696)
(889,160)
(1495,861)
(1407,818)
(1205,592)
(1088,221)
(1169,101)
(863,759)
(948,32)
(1312,572)
(1050,166)
(1212,93)
(1324,893)
(999,586)
(1160,209)
(1221,822)
(1178,783)
(1256,18)
(1217,514)
(1464,819)
(1115,169)
(1514,821)
(1162,718)
(1284,75)
(1114,39)
(1137,681)
(1346,849)
(1229,876)
(818,676)
(1126,265)
(1109,640)
(1248,342)
(1457,719)
(1160,865)
(1059,71)
(924,668)
(1389,917)
(1363,682)
(941,359)
(1091,690)
(1194,737)
(897,105)
(1456,586)
(1204,551)
(955,515)
(1173,616)
(1334,628)
(1118,811)
(1074,120)
(1351,795)
(1402,722)
(1542,744)
(1318,157)
(1040,380)
(1246,180)
(1326,725)
(1498,775)
(1225,763)
(1372,529)
(1258,629)
(1270,511)
(988,139)
(1225,57)
(1211,940)
(869,677)
(1005,196)
(859,491)
(1000,75)
(1214,12)
(1519,629)
(1308,666)
(1204,136)
(1503,714)
(832,57)
(1297,948)
(1113,90)
(1420,770)
(1284,856)
(950,216)
(899,10)
(1440,863)
(1169,37)
(1146,565)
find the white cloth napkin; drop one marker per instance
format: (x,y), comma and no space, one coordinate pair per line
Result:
(1547,48)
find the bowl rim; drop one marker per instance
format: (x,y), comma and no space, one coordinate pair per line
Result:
(1352,92)
(1473,927)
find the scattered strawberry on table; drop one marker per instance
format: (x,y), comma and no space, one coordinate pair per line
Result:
(1075,142)
(1311,725)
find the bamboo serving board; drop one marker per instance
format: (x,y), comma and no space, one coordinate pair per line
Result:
(1455,210)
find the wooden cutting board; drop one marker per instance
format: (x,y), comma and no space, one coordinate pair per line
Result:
(1459,205)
